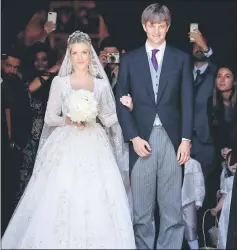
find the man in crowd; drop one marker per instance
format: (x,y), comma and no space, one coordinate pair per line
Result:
(110,63)
(203,149)
(17,120)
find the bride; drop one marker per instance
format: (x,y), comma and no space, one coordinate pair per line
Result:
(76,198)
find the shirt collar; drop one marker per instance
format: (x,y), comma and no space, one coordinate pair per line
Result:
(202,69)
(149,48)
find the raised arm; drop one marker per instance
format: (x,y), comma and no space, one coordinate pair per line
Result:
(54,108)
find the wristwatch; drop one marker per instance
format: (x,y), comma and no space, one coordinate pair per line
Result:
(47,74)
(206,51)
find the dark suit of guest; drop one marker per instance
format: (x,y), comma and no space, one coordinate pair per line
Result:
(202,143)
(15,98)
(203,149)
(162,115)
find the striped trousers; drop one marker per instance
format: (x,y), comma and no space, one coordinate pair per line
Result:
(158,177)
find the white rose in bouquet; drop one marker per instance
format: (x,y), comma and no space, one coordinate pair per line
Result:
(82,106)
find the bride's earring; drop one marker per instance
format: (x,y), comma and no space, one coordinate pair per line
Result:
(72,66)
(90,68)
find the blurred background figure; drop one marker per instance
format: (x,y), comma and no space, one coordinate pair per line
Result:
(16,126)
(109,56)
(39,75)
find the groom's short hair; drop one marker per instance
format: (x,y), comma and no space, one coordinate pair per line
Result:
(156,13)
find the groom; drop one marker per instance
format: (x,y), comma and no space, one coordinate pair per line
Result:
(158,78)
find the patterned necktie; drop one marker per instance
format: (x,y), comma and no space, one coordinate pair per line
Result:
(198,77)
(154,60)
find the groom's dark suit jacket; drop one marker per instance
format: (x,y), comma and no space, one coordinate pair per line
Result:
(174,100)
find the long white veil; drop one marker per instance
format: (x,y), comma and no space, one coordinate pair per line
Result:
(114,132)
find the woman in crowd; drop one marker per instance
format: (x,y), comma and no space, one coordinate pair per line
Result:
(38,83)
(223,110)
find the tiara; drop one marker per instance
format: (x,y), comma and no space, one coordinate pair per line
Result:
(79,34)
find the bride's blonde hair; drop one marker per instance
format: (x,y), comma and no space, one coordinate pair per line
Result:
(78,37)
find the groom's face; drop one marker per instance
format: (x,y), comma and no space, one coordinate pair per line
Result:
(156,32)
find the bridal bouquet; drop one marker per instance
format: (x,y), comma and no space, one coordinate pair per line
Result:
(82,106)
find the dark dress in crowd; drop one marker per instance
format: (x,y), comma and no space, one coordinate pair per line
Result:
(223,122)
(38,104)
(15,98)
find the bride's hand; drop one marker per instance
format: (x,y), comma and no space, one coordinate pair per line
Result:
(70,122)
(127,101)
(79,124)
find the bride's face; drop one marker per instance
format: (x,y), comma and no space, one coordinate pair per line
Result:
(80,56)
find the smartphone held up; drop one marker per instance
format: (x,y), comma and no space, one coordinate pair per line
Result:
(52,17)
(193,27)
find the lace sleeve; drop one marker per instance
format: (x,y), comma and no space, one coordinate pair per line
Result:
(54,107)
(108,117)
(107,111)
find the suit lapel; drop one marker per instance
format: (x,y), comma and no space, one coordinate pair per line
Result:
(167,66)
(146,74)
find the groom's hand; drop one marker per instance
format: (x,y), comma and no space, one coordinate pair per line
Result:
(183,153)
(141,147)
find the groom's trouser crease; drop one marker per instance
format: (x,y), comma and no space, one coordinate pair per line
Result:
(158,175)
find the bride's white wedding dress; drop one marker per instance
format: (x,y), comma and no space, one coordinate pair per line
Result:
(75,198)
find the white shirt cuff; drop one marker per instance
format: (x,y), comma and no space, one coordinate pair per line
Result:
(184,139)
(209,53)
